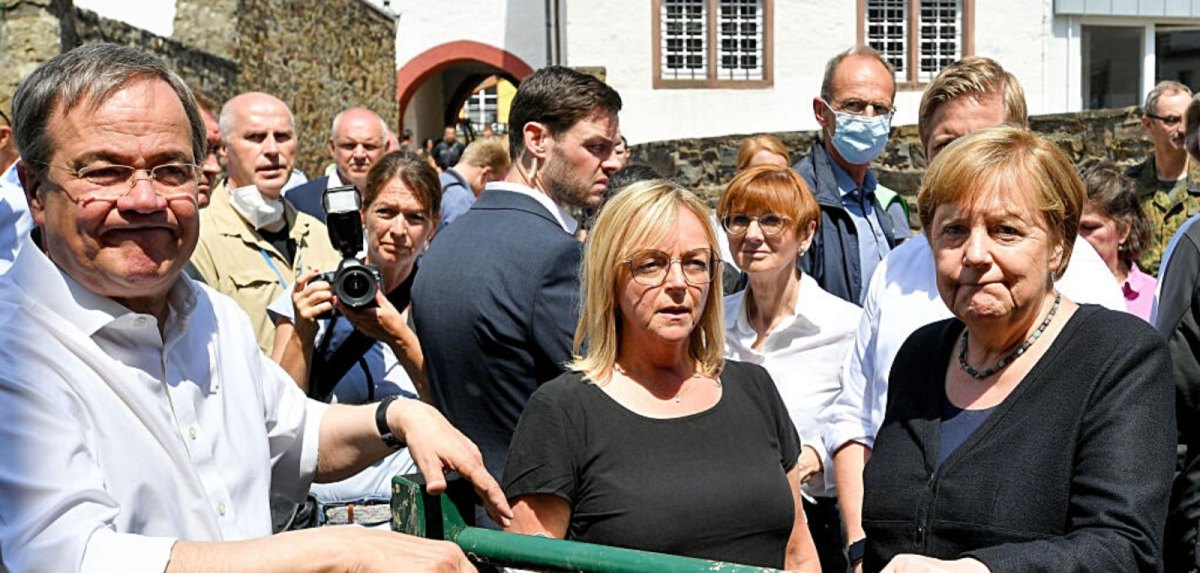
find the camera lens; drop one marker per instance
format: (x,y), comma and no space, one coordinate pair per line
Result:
(355,287)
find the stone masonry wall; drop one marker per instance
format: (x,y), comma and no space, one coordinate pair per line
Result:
(199,68)
(320,57)
(706,165)
(30,33)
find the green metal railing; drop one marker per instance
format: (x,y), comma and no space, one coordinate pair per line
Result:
(416,512)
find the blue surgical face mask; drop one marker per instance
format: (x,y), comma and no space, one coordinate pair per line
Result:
(859,138)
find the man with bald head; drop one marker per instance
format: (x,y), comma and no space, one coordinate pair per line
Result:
(854,111)
(252,242)
(357,139)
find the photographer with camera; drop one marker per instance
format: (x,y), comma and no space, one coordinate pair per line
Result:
(343,335)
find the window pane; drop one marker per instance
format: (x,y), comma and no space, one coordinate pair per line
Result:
(684,39)
(887,31)
(740,40)
(1177,55)
(940,25)
(1112,66)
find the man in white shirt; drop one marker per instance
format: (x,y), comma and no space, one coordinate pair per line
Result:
(971,94)
(495,300)
(14,213)
(144,431)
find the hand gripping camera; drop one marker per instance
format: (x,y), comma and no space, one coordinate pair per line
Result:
(354,283)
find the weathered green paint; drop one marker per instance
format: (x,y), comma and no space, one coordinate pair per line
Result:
(410,502)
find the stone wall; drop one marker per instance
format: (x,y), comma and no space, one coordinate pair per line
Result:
(318,56)
(706,165)
(30,33)
(202,69)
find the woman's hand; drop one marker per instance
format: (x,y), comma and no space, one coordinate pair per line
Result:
(311,298)
(809,464)
(384,323)
(909,563)
(381,322)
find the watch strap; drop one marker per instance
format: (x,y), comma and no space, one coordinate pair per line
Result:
(381,423)
(856,551)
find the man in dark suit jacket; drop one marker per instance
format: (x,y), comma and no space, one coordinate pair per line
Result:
(495,300)
(357,139)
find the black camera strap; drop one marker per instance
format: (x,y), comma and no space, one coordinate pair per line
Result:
(328,367)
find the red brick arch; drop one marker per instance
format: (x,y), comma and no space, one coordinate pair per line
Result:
(416,71)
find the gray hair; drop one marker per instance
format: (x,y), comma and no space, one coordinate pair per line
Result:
(861,50)
(92,72)
(333,126)
(1165,87)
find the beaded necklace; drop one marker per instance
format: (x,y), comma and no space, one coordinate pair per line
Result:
(981,374)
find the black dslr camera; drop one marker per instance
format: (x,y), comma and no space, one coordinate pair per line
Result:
(354,283)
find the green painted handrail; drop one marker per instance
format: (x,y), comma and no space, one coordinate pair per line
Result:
(415,512)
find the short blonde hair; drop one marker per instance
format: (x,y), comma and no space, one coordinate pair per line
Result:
(752,145)
(487,153)
(974,77)
(1007,160)
(641,215)
(771,188)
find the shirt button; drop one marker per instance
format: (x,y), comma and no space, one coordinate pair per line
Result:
(192,432)
(139,321)
(221,508)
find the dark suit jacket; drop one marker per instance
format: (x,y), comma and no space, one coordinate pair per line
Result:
(1179,320)
(307,197)
(495,306)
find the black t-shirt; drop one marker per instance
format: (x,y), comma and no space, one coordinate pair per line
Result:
(711,485)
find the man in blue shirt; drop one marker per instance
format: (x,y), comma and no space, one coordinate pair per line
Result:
(854,110)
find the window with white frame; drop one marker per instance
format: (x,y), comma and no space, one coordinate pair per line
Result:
(480,109)
(706,43)
(684,34)
(918,37)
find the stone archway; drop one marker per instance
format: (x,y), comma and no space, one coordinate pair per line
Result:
(472,57)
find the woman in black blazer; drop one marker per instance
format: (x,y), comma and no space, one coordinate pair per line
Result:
(1028,433)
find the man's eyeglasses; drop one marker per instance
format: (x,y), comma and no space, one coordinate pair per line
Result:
(861,107)
(770,223)
(171,181)
(4,117)
(650,267)
(1169,121)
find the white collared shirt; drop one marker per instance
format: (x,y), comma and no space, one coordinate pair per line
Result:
(117,441)
(560,213)
(902,298)
(803,355)
(15,222)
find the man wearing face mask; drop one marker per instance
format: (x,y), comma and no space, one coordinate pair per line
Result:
(855,112)
(252,242)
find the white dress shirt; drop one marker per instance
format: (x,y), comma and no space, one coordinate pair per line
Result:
(902,298)
(560,213)
(118,441)
(15,222)
(803,355)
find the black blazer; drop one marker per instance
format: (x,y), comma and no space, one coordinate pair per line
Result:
(307,197)
(495,306)
(1071,472)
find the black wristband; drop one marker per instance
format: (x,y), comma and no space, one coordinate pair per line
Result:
(381,423)
(855,551)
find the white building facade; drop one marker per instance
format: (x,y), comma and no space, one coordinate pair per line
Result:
(698,68)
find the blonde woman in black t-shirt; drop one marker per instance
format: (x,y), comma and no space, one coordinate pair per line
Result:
(653,441)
